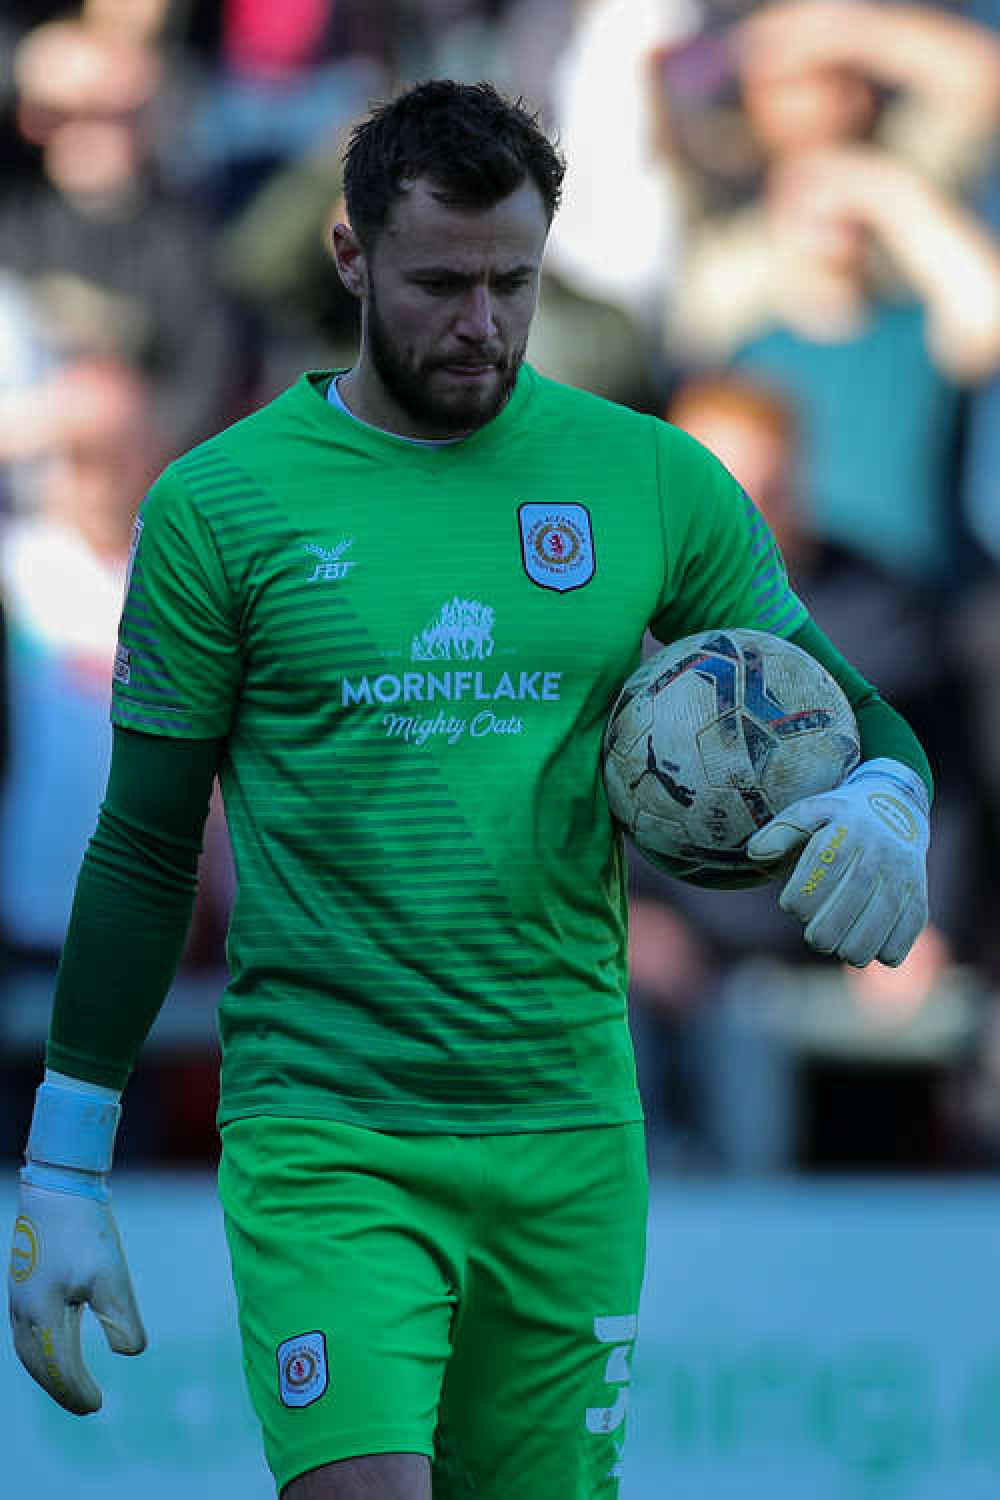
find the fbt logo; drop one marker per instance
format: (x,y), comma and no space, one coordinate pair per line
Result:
(332,564)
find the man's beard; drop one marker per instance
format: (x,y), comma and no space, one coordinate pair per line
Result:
(408,382)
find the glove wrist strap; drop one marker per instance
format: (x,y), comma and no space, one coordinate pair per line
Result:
(67,1180)
(904,778)
(71,1129)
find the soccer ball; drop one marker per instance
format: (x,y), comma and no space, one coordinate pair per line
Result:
(714,735)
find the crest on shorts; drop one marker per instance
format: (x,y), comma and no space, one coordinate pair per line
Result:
(303,1374)
(557,545)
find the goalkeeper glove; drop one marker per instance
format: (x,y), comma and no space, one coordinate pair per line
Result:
(860,883)
(66,1250)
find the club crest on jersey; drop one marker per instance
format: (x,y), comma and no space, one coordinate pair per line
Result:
(303,1375)
(331,563)
(557,545)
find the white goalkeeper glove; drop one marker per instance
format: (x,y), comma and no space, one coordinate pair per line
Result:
(66,1250)
(860,883)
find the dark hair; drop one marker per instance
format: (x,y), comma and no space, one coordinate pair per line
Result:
(474,145)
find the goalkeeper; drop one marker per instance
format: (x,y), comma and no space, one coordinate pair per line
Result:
(390,612)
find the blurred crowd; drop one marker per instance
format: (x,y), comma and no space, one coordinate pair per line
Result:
(780,231)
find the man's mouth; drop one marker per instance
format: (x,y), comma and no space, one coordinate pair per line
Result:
(469,371)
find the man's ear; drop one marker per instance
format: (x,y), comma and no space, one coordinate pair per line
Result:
(350,259)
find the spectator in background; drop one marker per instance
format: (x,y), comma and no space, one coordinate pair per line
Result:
(62,573)
(535,36)
(613,242)
(604,110)
(284,79)
(25,361)
(145,20)
(736,101)
(112,261)
(273,256)
(880,377)
(684,939)
(978,613)
(858,280)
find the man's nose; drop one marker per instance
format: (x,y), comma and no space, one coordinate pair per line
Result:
(476,318)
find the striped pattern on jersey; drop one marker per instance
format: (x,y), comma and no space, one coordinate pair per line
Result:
(429,931)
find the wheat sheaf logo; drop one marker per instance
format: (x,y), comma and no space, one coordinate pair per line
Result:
(463,631)
(331,560)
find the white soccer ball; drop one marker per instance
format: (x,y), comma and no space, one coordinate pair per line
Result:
(714,735)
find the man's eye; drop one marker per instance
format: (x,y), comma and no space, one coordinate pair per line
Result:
(436,287)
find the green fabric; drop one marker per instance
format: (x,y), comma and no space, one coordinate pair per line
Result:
(410,653)
(402,659)
(132,905)
(883,730)
(491,1330)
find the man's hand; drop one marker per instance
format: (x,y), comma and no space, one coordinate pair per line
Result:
(825,203)
(950,63)
(66,1252)
(860,881)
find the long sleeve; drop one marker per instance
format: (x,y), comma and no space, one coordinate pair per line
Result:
(884,731)
(132,906)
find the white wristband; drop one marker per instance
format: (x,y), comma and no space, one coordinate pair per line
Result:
(70,1128)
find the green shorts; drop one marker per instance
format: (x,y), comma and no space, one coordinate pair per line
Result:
(472,1298)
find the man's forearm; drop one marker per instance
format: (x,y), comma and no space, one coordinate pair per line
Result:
(885,734)
(951,63)
(953,262)
(122,949)
(949,60)
(132,907)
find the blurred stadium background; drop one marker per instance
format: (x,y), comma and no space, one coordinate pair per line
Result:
(780,229)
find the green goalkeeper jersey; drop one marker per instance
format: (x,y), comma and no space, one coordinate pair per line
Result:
(410,652)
